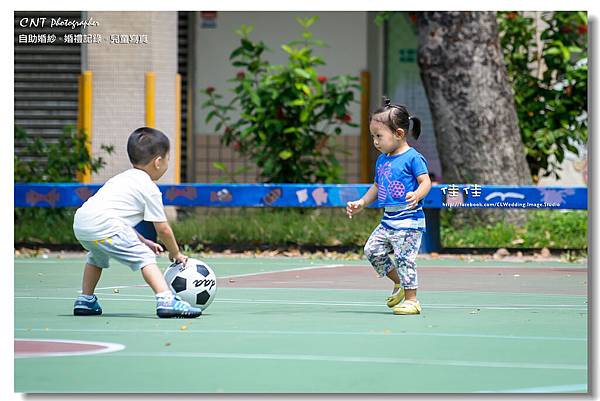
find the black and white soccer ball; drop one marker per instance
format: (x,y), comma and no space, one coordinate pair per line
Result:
(194,282)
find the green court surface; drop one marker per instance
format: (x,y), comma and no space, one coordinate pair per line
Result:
(293,325)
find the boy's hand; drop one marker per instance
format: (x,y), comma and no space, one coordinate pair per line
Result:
(156,248)
(178,258)
(411,200)
(354,207)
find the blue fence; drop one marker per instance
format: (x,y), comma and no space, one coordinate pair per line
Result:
(316,195)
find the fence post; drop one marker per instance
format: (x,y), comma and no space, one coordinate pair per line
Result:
(431,238)
(365,138)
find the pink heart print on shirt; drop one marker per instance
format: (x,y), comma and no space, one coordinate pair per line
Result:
(396,189)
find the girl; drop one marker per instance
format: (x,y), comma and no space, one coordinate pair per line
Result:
(401,182)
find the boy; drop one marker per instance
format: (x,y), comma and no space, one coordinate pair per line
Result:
(104,226)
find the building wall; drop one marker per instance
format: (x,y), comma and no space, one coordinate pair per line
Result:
(403,84)
(119,83)
(345,33)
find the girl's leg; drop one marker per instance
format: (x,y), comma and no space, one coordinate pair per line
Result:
(406,245)
(377,250)
(91,276)
(393,275)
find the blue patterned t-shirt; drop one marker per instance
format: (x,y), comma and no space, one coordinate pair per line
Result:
(395,176)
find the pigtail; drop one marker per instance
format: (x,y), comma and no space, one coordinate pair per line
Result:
(386,101)
(416,128)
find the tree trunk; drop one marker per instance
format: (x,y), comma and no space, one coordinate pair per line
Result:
(472,105)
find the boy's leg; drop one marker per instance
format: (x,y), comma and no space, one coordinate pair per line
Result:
(127,248)
(91,276)
(87,303)
(155,279)
(167,305)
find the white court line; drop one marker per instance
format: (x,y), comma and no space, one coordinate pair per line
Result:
(336,303)
(245,274)
(286,270)
(566,388)
(304,333)
(361,263)
(366,303)
(109,347)
(350,359)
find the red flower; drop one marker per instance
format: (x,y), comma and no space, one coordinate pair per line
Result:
(210,89)
(511,15)
(237,145)
(582,29)
(228,130)
(566,29)
(413,18)
(345,118)
(322,79)
(240,75)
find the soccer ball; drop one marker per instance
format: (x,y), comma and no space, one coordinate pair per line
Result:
(194,282)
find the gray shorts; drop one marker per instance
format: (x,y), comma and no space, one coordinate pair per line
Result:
(125,247)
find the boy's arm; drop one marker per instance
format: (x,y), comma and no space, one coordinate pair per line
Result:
(156,248)
(165,233)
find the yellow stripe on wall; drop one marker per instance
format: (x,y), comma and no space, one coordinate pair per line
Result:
(178,128)
(84,119)
(150,99)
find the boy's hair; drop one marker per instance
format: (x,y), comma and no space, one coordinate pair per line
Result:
(145,143)
(396,116)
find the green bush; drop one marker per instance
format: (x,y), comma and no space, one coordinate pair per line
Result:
(322,227)
(62,162)
(544,228)
(289,113)
(62,159)
(276,226)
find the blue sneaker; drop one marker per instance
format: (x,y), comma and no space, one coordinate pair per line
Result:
(175,307)
(84,307)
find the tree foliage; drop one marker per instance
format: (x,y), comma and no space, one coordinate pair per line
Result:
(548,71)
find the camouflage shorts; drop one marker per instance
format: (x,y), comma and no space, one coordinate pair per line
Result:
(404,244)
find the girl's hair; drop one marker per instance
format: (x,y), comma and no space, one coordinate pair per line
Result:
(396,116)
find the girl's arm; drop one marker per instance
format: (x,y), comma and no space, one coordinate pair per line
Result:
(370,196)
(412,198)
(354,207)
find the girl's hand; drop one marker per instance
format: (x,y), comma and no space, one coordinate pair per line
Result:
(154,247)
(354,207)
(411,200)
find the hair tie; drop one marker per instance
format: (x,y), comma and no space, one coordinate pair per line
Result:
(409,118)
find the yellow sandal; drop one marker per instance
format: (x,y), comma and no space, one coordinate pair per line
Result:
(396,298)
(408,308)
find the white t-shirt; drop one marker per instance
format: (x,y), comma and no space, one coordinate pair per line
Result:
(123,201)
